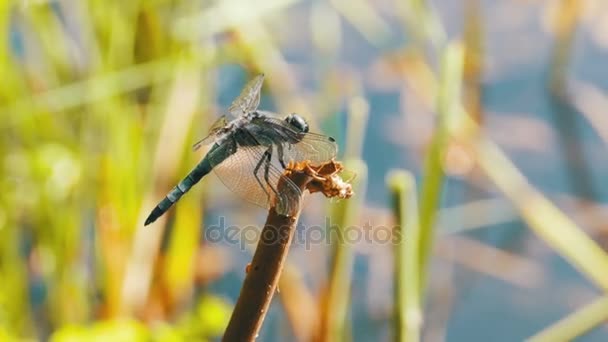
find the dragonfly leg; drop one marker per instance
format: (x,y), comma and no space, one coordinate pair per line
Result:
(257,168)
(281,155)
(266,172)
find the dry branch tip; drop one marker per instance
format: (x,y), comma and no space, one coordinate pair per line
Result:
(325,178)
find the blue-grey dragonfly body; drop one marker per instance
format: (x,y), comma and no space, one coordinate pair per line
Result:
(250,152)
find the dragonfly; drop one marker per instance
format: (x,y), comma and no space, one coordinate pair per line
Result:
(250,152)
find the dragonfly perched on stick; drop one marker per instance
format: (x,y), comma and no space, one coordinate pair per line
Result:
(250,153)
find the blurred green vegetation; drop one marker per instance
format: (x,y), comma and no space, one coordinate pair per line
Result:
(100,102)
(87,87)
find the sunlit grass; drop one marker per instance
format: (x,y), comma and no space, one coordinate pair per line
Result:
(576,324)
(82,112)
(407,242)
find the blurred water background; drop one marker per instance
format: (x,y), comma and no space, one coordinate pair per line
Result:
(101,101)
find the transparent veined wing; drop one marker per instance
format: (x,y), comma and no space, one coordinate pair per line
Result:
(249,174)
(213,131)
(249,99)
(317,148)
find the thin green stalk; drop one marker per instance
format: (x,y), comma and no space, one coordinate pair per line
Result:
(542,216)
(344,215)
(448,98)
(358,111)
(406,240)
(576,324)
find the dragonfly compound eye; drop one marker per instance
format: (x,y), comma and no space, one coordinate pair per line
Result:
(297,122)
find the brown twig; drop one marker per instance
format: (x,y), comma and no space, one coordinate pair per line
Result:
(265,268)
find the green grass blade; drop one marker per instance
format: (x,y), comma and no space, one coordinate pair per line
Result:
(406,240)
(448,98)
(344,215)
(575,324)
(546,220)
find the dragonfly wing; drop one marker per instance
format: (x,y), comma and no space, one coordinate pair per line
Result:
(217,126)
(317,148)
(249,174)
(249,99)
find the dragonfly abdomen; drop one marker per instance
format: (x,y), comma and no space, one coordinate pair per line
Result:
(203,168)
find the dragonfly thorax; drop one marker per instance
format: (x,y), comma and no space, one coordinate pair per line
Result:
(297,122)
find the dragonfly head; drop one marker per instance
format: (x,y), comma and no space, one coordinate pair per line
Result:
(297,122)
